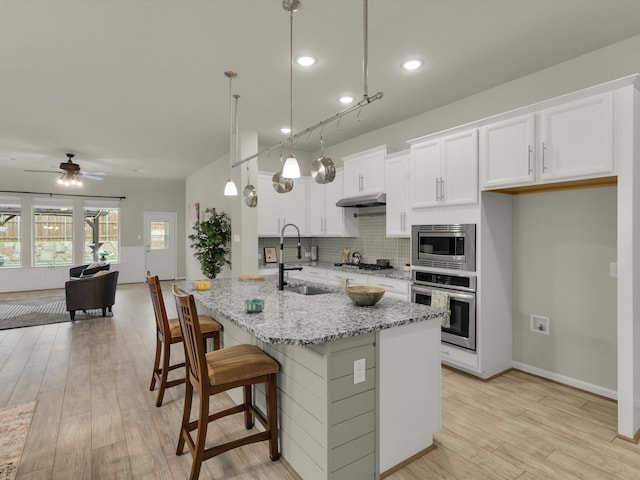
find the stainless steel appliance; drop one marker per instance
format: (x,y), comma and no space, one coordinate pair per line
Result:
(444,246)
(461,290)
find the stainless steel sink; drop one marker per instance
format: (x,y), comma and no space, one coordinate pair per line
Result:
(306,289)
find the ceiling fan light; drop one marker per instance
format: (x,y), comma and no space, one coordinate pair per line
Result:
(291,168)
(230,189)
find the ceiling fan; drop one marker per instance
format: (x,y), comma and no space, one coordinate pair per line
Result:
(70,172)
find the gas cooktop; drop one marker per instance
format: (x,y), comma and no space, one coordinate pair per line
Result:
(362,266)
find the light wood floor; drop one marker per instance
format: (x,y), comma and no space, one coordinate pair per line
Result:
(96,418)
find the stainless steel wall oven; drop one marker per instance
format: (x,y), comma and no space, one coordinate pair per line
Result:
(461,291)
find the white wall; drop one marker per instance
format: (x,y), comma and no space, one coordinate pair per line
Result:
(565,242)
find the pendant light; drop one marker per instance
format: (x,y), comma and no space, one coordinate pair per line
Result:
(291,168)
(230,189)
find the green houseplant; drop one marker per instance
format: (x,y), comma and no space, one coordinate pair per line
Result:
(211,241)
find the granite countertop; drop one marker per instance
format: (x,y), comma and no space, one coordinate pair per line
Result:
(294,319)
(388,273)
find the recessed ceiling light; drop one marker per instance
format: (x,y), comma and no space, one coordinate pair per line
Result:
(346,99)
(285,130)
(411,64)
(306,60)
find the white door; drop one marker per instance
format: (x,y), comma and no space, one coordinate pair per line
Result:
(160,244)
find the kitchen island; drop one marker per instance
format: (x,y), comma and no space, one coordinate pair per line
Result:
(359,387)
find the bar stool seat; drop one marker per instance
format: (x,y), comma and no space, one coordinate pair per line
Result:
(216,372)
(168,332)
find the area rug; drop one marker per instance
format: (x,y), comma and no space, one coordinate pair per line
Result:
(27,312)
(14,426)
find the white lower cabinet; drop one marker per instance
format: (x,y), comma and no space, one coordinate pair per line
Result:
(394,288)
(458,357)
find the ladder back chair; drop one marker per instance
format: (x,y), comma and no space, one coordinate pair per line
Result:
(216,372)
(168,332)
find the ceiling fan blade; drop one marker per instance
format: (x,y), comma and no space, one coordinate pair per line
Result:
(92,177)
(44,171)
(93,173)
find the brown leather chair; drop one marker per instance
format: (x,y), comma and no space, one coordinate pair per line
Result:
(168,332)
(219,371)
(91,293)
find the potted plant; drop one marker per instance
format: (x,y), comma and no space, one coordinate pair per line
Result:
(3,259)
(104,255)
(211,241)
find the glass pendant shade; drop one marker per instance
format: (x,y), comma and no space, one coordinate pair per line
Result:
(230,189)
(291,168)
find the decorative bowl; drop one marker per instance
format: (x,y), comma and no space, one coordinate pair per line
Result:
(255,305)
(202,284)
(365,296)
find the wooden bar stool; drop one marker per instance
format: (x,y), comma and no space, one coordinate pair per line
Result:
(216,372)
(168,332)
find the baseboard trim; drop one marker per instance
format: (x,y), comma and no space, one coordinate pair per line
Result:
(406,462)
(635,439)
(572,382)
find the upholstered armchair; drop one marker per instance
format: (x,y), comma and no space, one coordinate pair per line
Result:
(88,269)
(97,291)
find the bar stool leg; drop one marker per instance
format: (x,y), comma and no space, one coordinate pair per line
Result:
(271,389)
(166,347)
(248,401)
(186,414)
(201,437)
(156,365)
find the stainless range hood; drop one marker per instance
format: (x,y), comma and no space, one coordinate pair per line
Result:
(371,200)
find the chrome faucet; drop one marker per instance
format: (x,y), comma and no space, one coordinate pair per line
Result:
(281,267)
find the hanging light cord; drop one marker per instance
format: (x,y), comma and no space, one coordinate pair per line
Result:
(291,80)
(366,99)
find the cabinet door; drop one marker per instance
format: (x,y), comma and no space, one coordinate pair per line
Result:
(397,187)
(269,223)
(352,181)
(577,138)
(372,169)
(293,207)
(507,155)
(425,174)
(317,219)
(334,223)
(459,182)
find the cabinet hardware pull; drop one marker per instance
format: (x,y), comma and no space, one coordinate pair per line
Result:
(530,150)
(437,189)
(441,189)
(444,352)
(544,163)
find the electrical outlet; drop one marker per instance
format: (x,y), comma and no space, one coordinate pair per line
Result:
(540,324)
(359,371)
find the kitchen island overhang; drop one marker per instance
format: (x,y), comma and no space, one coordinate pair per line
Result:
(333,425)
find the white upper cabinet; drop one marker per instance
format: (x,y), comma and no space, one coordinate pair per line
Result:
(443,170)
(325,219)
(277,209)
(507,152)
(364,172)
(397,189)
(569,141)
(577,138)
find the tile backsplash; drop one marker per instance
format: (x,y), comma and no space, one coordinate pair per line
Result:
(372,242)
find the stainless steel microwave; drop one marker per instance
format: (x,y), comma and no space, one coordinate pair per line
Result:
(450,246)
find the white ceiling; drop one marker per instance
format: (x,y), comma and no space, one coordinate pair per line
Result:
(137,88)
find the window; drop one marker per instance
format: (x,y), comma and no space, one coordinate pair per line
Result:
(52,235)
(159,235)
(10,225)
(101,229)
